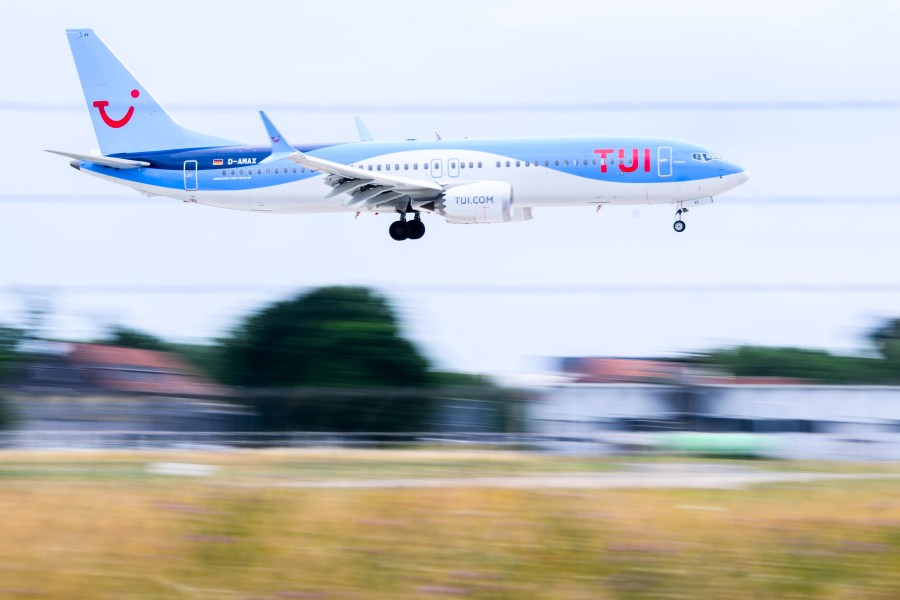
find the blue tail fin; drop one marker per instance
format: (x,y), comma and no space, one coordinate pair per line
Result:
(126,117)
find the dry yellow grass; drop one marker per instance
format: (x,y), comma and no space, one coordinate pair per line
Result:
(87,536)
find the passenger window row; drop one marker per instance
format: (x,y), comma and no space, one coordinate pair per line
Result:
(462,165)
(556,163)
(408,166)
(278,171)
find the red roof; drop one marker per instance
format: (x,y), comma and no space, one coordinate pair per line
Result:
(596,369)
(115,355)
(142,371)
(623,370)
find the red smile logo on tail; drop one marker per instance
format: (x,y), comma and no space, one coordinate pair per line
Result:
(115,123)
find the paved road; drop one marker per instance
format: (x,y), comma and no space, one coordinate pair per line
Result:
(592,481)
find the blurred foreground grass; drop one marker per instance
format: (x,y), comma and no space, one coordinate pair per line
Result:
(95,525)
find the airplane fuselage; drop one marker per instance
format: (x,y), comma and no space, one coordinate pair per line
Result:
(543,172)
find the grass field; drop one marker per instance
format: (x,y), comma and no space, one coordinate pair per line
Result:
(103,525)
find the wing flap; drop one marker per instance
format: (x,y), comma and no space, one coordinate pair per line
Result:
(382,196)
(347,187)
(364,196)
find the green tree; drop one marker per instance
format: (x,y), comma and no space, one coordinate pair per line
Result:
(9,356)
(330,337)
(10,359)
(333,359)
(886,339)
(207,358)
(801,363)
(8,416)
(126,337)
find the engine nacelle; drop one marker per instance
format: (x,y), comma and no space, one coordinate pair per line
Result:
(481,202)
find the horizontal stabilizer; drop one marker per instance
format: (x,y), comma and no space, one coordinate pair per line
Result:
(106,161)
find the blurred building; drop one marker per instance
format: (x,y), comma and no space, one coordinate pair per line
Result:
(624,404)
(92,387)
(597,369)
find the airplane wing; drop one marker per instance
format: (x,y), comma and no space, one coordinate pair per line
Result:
(106,161)
(366,188)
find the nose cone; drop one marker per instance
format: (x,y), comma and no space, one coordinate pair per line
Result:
(731,177)
(734,174)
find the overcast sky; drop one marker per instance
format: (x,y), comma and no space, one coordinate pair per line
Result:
(821,209)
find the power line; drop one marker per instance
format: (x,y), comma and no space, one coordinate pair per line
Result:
(485,289)
(536,107)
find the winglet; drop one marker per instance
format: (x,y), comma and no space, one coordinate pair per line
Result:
(280,147)
(362,130)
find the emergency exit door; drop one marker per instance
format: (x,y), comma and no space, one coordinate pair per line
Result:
(190,175)
(664,161)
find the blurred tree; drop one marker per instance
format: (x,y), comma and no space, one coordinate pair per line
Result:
(10,339)
(801,363)
(8,416)
(206,357)
(344,348)
(333,336)
(455,378)
(126,337)
(10,359)
(886,339)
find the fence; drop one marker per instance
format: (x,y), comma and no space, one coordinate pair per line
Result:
(850,445)
(181,440)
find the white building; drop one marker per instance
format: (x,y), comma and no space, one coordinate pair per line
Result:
(787,421)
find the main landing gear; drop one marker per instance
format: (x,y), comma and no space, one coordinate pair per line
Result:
(407,230)
(679,225)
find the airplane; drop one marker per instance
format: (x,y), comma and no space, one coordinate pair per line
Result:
(464,181)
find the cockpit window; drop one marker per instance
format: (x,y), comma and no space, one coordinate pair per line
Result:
(706,156)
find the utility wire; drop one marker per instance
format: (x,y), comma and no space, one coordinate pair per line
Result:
(534,107)
(485,289)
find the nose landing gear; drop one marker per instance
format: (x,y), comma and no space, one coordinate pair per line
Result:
(679,225)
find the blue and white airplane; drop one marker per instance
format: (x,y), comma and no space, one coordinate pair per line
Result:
(464,181)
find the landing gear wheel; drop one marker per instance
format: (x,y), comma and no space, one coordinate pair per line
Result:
(416,229)
(399,230)
(679,226)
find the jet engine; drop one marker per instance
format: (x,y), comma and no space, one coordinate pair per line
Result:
(481,202)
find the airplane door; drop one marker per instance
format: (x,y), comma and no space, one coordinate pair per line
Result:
(437,168)
(664,161)
(453,167)
(190,175)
